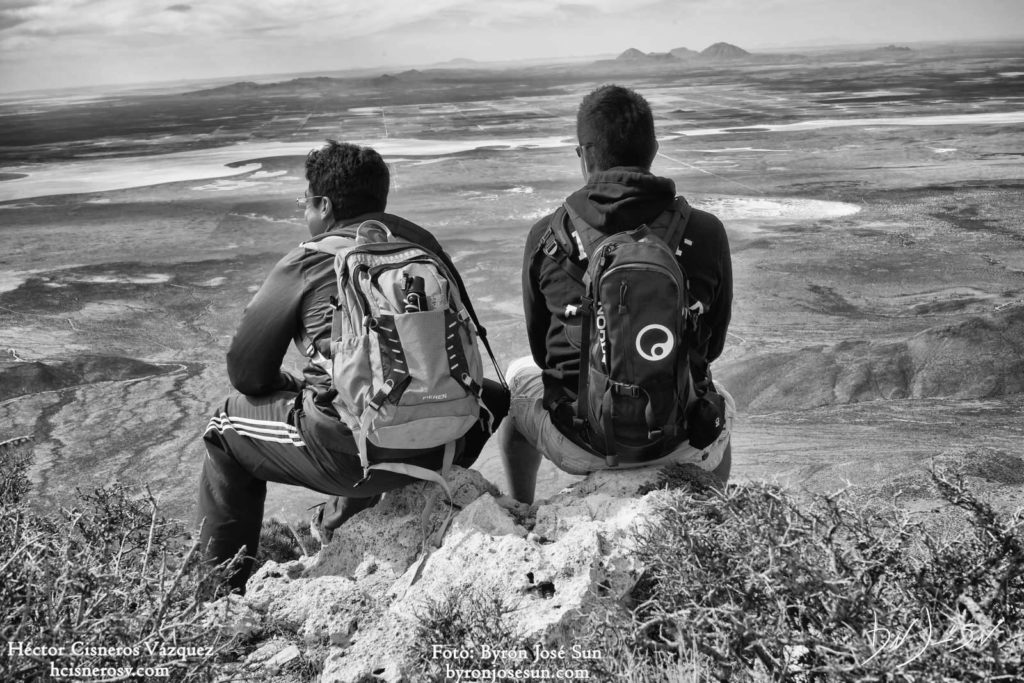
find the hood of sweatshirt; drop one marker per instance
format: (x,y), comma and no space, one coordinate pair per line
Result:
(622,199)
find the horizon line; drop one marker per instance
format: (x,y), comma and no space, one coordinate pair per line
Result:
(469,63)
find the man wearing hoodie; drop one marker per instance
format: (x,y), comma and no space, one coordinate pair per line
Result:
(615,130)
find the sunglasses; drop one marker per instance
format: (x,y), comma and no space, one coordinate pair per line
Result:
(301,201)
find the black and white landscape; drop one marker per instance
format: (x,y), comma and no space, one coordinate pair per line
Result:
(873,199)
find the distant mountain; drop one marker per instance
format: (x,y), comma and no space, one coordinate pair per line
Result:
(407,76)
(893,48)
(634,55)
(280,87)
(240,88)
(724,51)
(457,63)
(683,53)
(631,55)
(886,52)
(679,56)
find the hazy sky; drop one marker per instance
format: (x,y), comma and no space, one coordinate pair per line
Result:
(56,43)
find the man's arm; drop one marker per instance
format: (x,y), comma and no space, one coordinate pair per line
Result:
(267,327)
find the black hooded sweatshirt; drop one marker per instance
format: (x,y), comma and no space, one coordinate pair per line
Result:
(617,200)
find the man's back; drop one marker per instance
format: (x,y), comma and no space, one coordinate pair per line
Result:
(614,201)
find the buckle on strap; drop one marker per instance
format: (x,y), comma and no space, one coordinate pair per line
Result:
(622,389)
(550,247)
(378,399)
(470,384)
(366,477)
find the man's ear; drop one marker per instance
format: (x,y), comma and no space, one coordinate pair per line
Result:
(326,207)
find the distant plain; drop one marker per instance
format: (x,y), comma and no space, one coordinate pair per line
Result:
(870,200)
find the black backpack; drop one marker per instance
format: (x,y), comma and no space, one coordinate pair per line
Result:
(638,327)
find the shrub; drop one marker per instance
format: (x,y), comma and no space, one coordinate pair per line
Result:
(752,584)
(466,620)
(108,584)
(282,541)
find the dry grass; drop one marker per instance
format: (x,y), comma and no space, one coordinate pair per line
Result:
(751,584)
(110,581)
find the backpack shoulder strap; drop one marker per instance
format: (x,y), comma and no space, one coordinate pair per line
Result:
(586,238)
(329,244)
(675,233)
(557,244)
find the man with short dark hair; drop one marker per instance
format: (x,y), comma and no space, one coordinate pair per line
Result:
(617,145)
(285,429)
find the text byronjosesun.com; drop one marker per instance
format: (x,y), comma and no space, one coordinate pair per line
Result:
(539,663)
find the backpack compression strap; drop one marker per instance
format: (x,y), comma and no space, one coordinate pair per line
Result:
(481,331)
(458,366)
(393,363)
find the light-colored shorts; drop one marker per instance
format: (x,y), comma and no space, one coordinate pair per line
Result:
(533,421)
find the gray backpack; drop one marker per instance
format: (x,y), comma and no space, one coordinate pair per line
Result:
(404,357)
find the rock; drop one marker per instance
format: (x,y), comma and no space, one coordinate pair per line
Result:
(283,657)
(552,578)
(414,513)
(313,608)
(268,652)
(232,615)
(486,515)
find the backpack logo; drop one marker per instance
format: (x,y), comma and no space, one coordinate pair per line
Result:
(661,348)
(602,334)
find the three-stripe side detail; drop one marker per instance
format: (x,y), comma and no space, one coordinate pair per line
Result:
(261,430)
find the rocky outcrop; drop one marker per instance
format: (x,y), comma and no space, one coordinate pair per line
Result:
(980,357)
(362,594)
